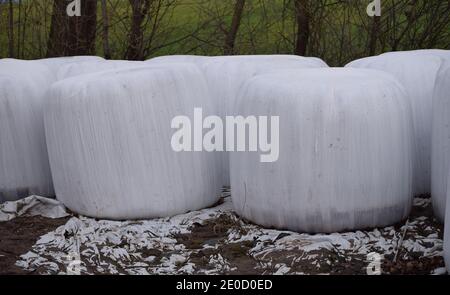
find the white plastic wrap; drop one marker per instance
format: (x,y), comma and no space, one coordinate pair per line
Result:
(226,75)
(444,54)
(55,63)
(109,140)
(345,150)
(24,167)
(418,73)
(196,59)
(86,67)
(440,154)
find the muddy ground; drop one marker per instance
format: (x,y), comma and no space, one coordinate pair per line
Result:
(215,241)
(18,236)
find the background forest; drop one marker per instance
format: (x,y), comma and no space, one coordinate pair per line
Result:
(337,31)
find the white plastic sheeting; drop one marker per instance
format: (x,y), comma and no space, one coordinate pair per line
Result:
(196,59)
(440,155)
(440,142)
(345,150)
(109,140)
(24,167)
(86,67)
(32,206)
(418,73)
(55,63)
(272,251)
(444,54)
(226,75)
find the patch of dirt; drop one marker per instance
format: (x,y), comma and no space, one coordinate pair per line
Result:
(426,211)
(417,266)
(415,262)
(19,235)
(216,241)
(214,233)
(209,240)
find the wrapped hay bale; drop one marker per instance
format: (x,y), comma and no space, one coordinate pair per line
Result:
(418,73)
(226,75)
(440,154)
(444,54)
(55,63)
(24,167)
(345,150)
(440,140)
(86,67)
(109,139)
(195,59)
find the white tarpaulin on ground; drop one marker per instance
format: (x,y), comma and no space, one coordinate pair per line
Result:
(32,206)
(215,241)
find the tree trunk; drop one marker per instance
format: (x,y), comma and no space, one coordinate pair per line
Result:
(11,29)
(106,47)
(135,50)
(6,24)
(374,35)
(19,23)
(302,19)
(230,38)
(72,35)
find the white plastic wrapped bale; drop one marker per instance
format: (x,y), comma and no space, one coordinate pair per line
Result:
(418,73)
(109,139)
(24,167)
(227,74)
(440,154)
(55,63)
(195,59)
(444,54)
(86,67)
(345,150)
